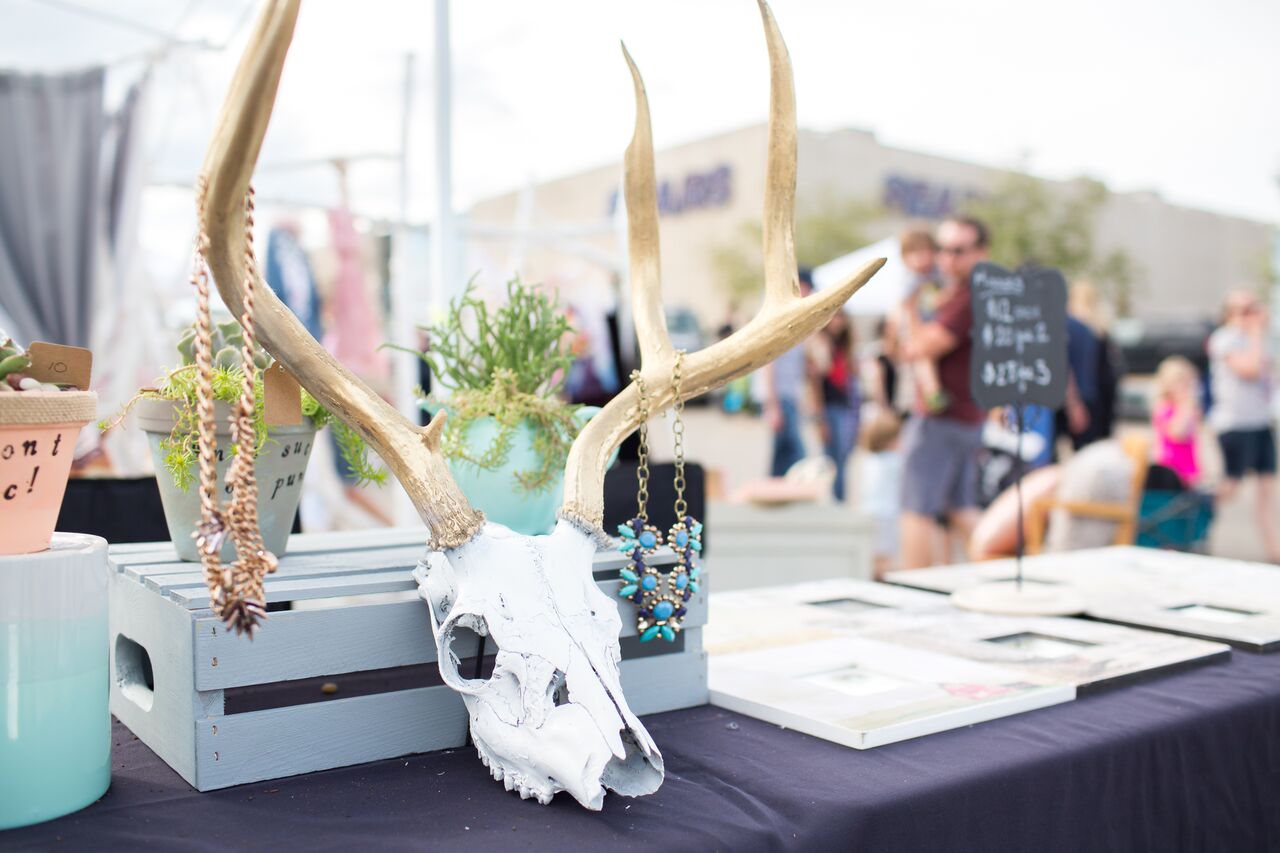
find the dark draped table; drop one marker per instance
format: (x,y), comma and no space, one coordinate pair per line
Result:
(1186,761)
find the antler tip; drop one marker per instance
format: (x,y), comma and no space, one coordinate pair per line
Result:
(434,429)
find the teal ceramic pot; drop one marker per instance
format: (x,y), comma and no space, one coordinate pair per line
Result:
(279,469)
(55,730)
(496,492)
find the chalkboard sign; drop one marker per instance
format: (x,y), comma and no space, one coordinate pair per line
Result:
(1019,336)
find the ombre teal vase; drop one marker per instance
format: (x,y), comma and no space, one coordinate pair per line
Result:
(55,729)
(495,492)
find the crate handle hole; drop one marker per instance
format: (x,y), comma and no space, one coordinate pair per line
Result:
(134,676)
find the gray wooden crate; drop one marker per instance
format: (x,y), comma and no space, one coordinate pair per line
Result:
(222,710)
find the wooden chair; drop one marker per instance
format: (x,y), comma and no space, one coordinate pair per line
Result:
(1138,448)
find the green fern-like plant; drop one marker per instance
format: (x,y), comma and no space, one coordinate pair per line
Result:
(181,448)
(507,363)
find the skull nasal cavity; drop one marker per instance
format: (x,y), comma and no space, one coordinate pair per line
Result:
(559,690)
(465,646)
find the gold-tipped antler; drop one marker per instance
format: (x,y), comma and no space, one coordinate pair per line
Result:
(784,319)
(412,453)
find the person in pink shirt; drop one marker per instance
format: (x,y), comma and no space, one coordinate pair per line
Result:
(1175,417)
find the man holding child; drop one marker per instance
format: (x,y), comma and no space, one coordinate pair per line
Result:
(941,444)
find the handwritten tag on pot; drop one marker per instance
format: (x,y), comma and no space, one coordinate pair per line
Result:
(61,364)
(281,397)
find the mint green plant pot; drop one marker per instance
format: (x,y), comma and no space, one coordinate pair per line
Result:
(496,492)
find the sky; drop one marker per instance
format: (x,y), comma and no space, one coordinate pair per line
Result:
(1177,97)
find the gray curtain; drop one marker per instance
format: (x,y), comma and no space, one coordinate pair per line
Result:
(51,132)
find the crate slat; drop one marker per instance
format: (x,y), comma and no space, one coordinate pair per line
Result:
(160,553)
(667,682)
(306,643)
(163,578)
(281,742)
(303,589)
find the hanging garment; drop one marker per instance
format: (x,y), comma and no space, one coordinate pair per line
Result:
(357,331)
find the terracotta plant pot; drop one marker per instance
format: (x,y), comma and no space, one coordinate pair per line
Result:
(279,467)
(38,431)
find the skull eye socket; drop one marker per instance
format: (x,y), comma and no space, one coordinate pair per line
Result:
(467,654)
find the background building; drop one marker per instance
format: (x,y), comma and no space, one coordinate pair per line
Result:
(1183,260)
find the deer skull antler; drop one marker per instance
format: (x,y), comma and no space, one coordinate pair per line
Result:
(784,319)
(552,716)
(412,453)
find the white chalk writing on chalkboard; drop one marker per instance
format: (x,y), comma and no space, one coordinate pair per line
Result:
(1019,336)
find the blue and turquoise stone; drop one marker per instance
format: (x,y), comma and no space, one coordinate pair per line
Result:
(696,527)
(626,531)
(663,610)
(649,634)
(627,574)
(627,590)
(648,539)
(682,580)
(693,586)
(682,538)
(696,545)
(694,571)
(649,582)
(668,634)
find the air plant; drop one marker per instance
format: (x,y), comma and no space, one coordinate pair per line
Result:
(14,360)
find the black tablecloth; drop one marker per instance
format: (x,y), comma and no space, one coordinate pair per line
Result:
(1189,761)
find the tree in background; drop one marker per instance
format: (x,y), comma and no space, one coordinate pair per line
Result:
(1032,222)
(823,232)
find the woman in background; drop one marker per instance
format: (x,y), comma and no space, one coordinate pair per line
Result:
(838,392)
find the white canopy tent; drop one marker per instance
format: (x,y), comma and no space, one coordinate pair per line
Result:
(880,295)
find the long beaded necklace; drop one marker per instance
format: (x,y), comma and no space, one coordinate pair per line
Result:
(237,593)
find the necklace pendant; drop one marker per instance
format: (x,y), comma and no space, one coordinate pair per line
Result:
(640,582)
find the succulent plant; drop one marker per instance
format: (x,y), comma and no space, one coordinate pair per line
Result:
(226,340)
(13,361)
(180,385)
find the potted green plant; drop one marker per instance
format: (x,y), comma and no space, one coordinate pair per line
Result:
(39,423)
(168,415)
(508,432)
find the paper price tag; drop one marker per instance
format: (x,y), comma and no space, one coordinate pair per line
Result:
(281,397)
(61,364)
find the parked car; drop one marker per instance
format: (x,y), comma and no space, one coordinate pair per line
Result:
(1143,345)
(685,331)
(686,334)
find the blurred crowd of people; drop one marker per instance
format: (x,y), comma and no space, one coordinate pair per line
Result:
(932,458)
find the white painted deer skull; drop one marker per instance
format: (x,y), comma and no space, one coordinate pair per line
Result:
(552,717)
